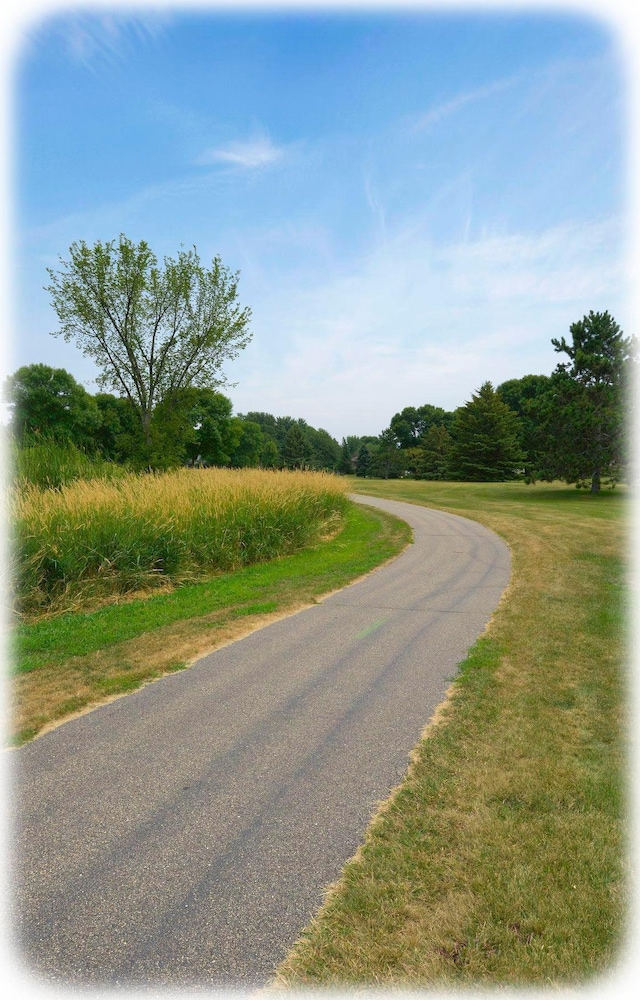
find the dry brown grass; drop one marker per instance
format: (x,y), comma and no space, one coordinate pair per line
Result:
(500,859)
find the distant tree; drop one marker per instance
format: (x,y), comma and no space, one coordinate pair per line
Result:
(485,439)
(269,455)
(324,450)
(436,453)
(119,435)
(412,424)
(387,461)
(266,422)
(49,402)
(346,463)
(153,331)
(210,414)
(526,397)
(363,462)
(295,451)
(248,443)
(586,415)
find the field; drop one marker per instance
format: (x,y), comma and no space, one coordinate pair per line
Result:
(502,856)
(93,539)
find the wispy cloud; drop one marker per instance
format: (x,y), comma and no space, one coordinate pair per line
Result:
(413,322)
(93,39)
(258,151)
(440,111)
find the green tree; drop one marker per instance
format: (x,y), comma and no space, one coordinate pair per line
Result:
(387,461)
(325,450)
(412,424)
(585,415)
(528,398)
(248,443)
(436,453)
(119,435)
(152,330)
(363,462)
(485,439)
(346,462)
(295,450)
(49,402)
(269,454)
(210,414)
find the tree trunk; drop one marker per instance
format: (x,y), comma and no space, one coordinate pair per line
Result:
(595,480)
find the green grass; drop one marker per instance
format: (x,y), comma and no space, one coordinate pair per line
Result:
(64,663)
(502,856)
(51,464)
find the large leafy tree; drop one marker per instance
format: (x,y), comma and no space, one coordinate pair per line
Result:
(387,459)
(485,443)
(50,403)
(584,416)
(119,436)
(530,397)
(152,330)
(412,424)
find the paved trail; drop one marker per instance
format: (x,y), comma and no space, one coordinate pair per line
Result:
(182,836)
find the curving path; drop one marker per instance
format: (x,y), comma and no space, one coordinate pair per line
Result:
(182,836)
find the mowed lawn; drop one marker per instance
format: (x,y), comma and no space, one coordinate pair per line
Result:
(502,857)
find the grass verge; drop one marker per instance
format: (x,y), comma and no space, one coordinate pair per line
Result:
(500,859)
(65,664)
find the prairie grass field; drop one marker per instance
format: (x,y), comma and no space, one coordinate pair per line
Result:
(502,859)
(97,539)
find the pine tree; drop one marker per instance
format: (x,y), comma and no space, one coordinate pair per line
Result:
(485,439)
(363,462)
(295,451)
(583,418)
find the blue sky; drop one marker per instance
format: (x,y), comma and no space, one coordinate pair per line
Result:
(417,200)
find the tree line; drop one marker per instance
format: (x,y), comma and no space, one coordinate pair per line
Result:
(571,425)
(160,334)
(196,427)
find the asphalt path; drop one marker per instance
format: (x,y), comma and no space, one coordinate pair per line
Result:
(182,836)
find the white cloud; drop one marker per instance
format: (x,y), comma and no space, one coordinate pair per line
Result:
(416,323)
(258,151)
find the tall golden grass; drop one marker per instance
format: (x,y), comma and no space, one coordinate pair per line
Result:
(97,538)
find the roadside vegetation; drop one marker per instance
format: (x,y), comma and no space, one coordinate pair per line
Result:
(502,856)
(95,539)
(65,663)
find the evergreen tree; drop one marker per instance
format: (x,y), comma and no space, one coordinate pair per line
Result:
(363,462)
(436,453)
(584,417)
(295,451)
(345,464)
(485,439)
